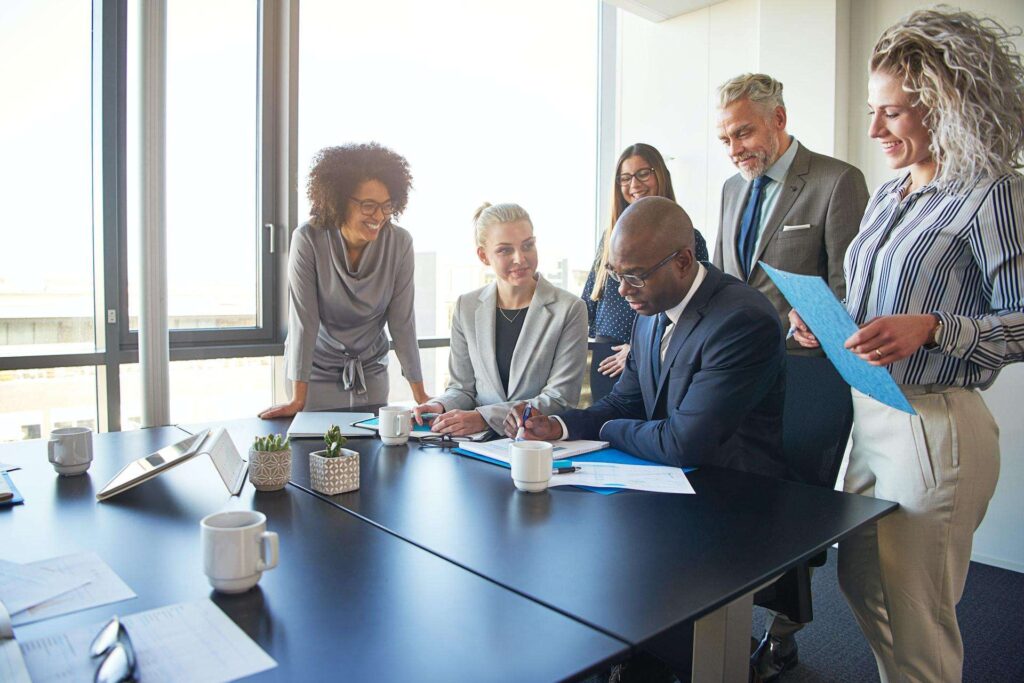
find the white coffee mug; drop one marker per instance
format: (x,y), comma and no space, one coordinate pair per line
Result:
(531,465)
(237,549)
(395,423)
(70,450)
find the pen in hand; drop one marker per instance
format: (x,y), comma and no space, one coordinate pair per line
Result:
(522,425)
(792,331)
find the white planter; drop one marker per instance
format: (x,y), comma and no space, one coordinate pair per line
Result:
(334,475)
(270,470)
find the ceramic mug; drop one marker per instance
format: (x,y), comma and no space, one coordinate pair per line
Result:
(237,549)
(395,423)
(531,465)
(70,450)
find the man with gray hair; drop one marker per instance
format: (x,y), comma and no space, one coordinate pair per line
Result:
(792,209)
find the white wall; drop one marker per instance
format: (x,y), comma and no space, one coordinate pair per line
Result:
(667,74)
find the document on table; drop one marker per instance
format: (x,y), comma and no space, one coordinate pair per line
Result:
(657,478)
(498,450)
(4,467)
(23,586)
(832,325)
(12,664)
(189,641)
(102,586)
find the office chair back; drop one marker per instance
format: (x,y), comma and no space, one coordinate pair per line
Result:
(816,420)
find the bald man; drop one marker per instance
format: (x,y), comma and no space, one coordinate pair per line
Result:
(705,380)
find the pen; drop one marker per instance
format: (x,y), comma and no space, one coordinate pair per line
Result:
(566,470)
(522,425)
(792,331)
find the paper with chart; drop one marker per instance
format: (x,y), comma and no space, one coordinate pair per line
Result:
(832,325)
(657,478)
(23,586)
(102,586)
(12,664)
(189,641)
(498,449)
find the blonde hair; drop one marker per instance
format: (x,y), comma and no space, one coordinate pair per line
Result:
(489,215)
(966,74)
(761,89)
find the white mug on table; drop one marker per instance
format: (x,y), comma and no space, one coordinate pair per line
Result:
(237,549)
(394,424)
(531,465)
(70,450)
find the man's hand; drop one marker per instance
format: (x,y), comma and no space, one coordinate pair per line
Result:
(459,423)
(613,365)
(537,428)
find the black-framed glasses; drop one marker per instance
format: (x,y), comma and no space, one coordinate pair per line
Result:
(643,175)
(638,281)
(442,441)
(368,207)
(113,644)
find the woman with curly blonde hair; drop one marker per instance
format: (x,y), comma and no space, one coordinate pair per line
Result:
(350,272)
(936,282)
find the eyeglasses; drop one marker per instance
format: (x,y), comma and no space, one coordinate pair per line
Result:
(643,175)
(368,207)
(113,644)
(640,280)
(442,441)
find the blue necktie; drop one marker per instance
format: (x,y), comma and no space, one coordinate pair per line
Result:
(750,223)
(659,332)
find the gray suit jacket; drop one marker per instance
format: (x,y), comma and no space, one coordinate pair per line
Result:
(548,364)
(817,214)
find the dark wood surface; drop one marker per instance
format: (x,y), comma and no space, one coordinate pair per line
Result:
(635,565)
(348,600)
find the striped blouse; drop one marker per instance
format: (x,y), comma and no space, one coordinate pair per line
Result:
(960,257)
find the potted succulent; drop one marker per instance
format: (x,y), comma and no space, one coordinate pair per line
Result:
(270,462)
(335,469)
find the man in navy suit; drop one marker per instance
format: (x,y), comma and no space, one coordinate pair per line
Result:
(704,383)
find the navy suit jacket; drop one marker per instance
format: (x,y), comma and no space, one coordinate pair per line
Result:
(719,398)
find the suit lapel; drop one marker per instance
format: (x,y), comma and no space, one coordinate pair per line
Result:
(484,318)
(538,316)
(732,221)
(646,327)
(792,186)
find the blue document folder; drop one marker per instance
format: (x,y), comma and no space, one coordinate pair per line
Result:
(832,325)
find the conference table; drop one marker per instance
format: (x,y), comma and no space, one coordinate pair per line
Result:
(436,568)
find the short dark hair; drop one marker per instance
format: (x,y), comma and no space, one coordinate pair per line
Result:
(336,172)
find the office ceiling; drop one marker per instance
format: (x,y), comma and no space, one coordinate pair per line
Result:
(660,10)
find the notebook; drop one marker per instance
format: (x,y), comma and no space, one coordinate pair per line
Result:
(561,450)
(314,424)
(420,431)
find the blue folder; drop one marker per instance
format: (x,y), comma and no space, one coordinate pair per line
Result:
(17,499)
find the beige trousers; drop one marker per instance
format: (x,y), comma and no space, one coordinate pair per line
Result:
(904,576)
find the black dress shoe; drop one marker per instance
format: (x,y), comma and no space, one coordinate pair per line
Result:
(773,657)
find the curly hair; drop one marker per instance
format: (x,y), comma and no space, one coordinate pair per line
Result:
(967,75)
(336,172)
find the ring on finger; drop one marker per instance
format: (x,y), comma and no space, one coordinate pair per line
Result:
(878,353)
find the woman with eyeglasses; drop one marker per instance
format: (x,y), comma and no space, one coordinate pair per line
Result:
(350,272)
(936,282)
(517,339)
(640,172)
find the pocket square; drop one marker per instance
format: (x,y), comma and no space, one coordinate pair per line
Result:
(787,228)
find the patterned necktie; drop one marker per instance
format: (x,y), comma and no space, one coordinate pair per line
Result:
(659,333)
(750,223)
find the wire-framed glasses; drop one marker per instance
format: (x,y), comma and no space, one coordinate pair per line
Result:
(643,175)
(442,441)
(113,644)
(638,281)
(368,207)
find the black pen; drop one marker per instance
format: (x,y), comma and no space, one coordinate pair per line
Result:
(566,470)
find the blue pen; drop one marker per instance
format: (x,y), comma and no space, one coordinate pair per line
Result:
(522,425)
(792,331)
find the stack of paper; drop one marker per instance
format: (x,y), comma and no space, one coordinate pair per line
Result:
(562,450)
(658,478)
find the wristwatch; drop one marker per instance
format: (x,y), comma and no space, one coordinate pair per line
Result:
(936,334)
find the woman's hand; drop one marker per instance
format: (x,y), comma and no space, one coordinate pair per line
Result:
(282,410)
(890,338)
(430,407)
(537,428)
(459,423)
(419,394)
(802,333)
(613,365)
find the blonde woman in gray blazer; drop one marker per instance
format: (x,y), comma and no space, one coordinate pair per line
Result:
(517,339)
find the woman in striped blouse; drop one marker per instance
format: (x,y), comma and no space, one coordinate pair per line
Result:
(936,283)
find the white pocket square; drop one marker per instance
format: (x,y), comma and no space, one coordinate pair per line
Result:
(787,228)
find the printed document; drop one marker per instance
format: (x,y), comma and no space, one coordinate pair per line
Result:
(23,586)
(561,450)
(657,478)
(102,586)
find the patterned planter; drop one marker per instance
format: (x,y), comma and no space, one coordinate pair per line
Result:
(334,475)
(270,470)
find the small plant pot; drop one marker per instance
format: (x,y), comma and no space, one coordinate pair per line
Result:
(270,470)
(334,475)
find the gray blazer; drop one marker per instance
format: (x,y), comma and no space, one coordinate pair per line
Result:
(817,214)
(548,364)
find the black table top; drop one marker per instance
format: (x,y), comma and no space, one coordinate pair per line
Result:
(634,565)
(348,600)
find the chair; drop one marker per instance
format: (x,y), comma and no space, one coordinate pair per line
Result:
(600,385)
(816,421)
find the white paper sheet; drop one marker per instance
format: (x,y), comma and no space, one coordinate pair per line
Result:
(498,449)
(5,467)
(23,586)
(189,641)
(12,664)
(102,586)
(657,478)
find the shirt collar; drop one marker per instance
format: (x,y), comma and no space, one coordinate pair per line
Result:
(780,168)
(676,311)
